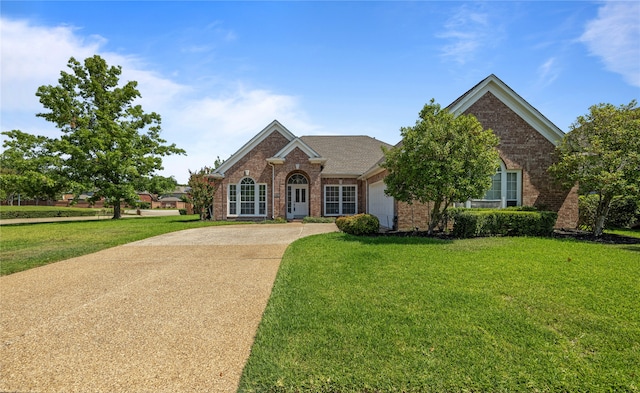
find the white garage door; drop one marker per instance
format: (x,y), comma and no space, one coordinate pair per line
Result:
(381,205)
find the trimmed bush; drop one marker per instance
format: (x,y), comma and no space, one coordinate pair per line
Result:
(8,213)
(359,224)
(183,212)
(503,222)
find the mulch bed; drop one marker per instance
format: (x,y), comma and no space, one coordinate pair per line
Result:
(606,238)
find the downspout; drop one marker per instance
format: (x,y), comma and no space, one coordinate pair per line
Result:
(366,196)
(273,195)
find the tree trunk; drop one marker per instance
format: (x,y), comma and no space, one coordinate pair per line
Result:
(116,211)
(601,215)
(434,218)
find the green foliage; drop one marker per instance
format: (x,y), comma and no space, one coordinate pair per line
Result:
(359,224)
(201,193)
(12,212)
(442,159)
(108,144)
(503,222)
(624,212)
(183,212)
(30,167)
(602,154)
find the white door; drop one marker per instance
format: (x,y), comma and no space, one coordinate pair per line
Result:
(381,205)
(299,201)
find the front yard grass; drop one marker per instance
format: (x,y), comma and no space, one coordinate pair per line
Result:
(23,247)
(350,314)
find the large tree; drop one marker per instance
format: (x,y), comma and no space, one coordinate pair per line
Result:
(601,153)
(109,144)
(30,168)
(441,160)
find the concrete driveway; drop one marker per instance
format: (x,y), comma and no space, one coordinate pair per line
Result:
(173,313)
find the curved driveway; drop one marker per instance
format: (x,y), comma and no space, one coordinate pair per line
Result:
(173,313)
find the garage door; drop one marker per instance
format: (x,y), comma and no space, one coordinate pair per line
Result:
(381,205)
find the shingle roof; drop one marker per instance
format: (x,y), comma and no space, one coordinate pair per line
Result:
(346,154)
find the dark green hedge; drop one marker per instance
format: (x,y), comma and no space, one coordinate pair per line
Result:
(503,222)
(360,224)
(7,214)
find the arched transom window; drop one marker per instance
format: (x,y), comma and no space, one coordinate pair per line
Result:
(247,198)
(297,179)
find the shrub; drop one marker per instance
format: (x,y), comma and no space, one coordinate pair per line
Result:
(8,213)
(472,223)
(359,224)
(183,212)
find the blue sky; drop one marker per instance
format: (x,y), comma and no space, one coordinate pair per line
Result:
(219,72)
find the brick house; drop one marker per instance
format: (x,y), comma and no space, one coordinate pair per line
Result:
(277,174)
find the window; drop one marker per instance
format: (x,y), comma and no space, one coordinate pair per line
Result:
(233,200)
(340,200)
(252,198)
(506,188)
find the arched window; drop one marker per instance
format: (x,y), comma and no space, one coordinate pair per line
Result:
(506,190)
(252,198)
(297,179)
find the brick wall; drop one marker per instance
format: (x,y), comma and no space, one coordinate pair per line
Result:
(522,147)
(254,162)
(260,170)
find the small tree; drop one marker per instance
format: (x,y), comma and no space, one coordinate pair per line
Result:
(602,154)
(441,160)
(109,145)
(201,193)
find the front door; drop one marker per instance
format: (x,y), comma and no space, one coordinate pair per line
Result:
(299,201)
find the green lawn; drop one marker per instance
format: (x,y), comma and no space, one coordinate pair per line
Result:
(26,246)
(352,314)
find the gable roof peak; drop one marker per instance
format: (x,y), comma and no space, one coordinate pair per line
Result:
(274,126)
(511,99)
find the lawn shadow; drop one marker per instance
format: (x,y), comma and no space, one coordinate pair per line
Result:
(396,239)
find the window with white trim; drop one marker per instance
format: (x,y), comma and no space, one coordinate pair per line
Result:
(340,200)
(247,198)
(506,190)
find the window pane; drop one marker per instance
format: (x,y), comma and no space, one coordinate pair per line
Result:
(512,186)
(262,204)
(247,196)
(233,199)
(332,200)
(496,187)
(348,200)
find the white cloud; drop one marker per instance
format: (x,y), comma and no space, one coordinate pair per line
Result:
(614,36)
(31,56)
(468,31)
(205,125)
(548,72)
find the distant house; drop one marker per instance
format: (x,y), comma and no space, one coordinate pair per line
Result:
(173,199)
(278,174)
